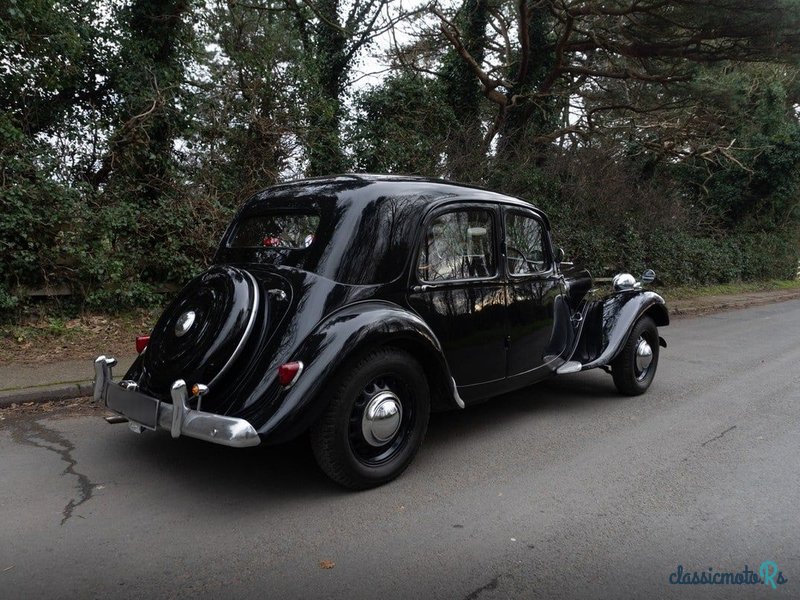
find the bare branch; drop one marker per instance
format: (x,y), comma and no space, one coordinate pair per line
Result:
(489,84)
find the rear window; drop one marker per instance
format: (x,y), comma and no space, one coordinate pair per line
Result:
(337,230)
(290,231)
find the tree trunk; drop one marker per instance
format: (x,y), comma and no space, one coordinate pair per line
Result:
(466,159)
(325,112)
(148,79)
(528,117)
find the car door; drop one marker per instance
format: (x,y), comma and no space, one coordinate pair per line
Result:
(458,289)
(533,286)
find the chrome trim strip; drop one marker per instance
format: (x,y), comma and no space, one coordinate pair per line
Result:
(102,376)
(296,375)
(179,407)
(466,385)
(456,395)
(247,330)
(541,366)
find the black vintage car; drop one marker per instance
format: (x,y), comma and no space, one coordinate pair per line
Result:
(350,307)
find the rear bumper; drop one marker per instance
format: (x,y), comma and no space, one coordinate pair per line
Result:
(177,418)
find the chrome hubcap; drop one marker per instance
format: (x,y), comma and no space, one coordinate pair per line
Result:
(185,322)
(644,357)
(382,417)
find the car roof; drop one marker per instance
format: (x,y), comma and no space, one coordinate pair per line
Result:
(364,187)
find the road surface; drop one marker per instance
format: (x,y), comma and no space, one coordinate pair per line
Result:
(563,490)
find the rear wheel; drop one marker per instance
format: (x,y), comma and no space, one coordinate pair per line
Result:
(635,366)
(376,420)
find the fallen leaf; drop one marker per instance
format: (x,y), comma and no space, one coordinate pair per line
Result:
(327,564)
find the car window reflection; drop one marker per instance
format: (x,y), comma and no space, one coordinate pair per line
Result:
(524,244)
(458,245)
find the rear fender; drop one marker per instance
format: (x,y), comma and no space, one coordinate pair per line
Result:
(344,334)
(620,312)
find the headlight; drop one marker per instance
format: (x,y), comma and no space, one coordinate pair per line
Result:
(624,281)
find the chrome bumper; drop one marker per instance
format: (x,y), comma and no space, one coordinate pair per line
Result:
(177,418)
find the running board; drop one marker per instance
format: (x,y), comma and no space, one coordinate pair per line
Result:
(571,366)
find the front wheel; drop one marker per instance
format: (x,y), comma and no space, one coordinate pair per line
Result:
(376,420)
(635,366)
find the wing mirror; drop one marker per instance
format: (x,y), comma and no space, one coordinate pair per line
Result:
(648,276)
(559,255)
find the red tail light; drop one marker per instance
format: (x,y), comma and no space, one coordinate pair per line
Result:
(288,373)
(141,342)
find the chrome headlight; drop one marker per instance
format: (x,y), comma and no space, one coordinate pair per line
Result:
(624,281)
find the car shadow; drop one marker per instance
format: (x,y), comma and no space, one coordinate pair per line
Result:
(288,471)
(557,396)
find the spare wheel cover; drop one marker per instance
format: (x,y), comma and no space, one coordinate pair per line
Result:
(203,331)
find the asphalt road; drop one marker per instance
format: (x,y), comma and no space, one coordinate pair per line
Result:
(563,490)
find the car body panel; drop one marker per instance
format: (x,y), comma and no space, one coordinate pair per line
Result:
(620,312)
(356,286)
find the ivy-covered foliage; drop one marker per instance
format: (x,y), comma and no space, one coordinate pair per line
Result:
(397,132)
(130,131)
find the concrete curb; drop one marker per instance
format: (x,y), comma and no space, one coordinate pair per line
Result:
(46,393)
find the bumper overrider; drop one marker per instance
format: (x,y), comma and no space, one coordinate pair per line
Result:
(177,418)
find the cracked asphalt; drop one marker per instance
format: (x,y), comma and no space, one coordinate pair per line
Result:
(562,490)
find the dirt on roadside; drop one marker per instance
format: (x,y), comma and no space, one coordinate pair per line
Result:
(48,340)
(55,409)
(704,305)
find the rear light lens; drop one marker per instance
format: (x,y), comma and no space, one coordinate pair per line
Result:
(288,373)
(141,342)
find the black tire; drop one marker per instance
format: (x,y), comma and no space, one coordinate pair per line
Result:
(337,439)
(628,377)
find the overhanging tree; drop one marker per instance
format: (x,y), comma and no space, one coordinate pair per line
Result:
(549,54)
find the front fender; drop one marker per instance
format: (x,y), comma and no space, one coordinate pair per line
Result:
(619,314)
(340,336)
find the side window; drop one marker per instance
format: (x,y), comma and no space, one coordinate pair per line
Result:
(525,250)
(458,245)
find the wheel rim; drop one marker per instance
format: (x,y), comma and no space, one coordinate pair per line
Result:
(643,358)
(381,421)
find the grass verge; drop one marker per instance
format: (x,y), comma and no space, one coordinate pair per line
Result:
(53,338)
(727,289)
(50,338)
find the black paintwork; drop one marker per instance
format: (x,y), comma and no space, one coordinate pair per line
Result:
(356,286)
(223,300)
